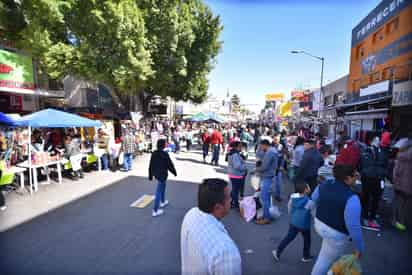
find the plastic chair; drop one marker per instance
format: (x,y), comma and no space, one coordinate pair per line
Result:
(7,177)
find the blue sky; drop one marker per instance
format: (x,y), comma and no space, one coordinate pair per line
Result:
(259,34)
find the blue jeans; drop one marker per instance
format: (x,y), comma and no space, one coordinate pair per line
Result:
(105,161)
(216,152)
(278,184)
(293,232)
(127,161)
(160,194)
(236,187)
(333,247)
(265,191)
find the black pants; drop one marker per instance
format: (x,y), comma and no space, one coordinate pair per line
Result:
(312,182)
(205,151)
(188,144)
(371,196)
(237,185)
(293,232)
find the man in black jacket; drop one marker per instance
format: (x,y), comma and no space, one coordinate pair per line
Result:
(160,165)
(310,164)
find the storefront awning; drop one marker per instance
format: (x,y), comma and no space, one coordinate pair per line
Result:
(368,114)
(368,101)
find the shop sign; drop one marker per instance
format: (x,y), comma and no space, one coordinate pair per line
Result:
(16,72)
(402,94)
(380,87)
(378,17)
(274,97)
(298,94)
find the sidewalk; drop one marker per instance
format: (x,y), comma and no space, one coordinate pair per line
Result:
(22,207)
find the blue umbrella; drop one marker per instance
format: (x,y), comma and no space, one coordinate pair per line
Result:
(8,121)
(51,118)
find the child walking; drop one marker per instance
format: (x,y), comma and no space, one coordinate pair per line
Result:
(300,211)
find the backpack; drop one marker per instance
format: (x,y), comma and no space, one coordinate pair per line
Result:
(367,161)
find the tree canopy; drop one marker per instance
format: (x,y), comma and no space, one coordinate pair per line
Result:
(166,47)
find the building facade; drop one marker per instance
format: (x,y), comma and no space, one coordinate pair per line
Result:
(380,69)
(334,95)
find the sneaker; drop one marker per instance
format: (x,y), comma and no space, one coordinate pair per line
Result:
(371,225)
(263,221)
(163,204)
(400,227)
(374,224)
(3,207)
(157,213)
(275,255)
(307,259)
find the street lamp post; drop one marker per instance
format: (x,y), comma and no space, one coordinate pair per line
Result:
(321,75)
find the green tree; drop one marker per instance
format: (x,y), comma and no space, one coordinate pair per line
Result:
(166,47)
(184,43)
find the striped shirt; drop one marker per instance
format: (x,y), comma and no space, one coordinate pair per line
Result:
(129,144)
(206,247)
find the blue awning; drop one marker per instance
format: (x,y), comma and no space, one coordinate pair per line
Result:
(8,121)
(51,118)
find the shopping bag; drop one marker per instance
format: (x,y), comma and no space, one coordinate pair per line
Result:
(346,265)
(274,212)
(121,158)
(76,162)
(248,208)
(255,181)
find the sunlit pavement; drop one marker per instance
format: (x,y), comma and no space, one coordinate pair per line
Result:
(87,227)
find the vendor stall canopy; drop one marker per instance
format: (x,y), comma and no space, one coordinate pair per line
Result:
(52,118)
(207,117)
(8,121)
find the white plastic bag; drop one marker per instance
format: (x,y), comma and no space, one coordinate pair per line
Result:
(275,212)
(76,162)
(248,208)
(255,181)
(121,158)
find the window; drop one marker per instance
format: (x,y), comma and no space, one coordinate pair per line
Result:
(338,98)
(392,26)
(360,52)
(356,85)
(376,76)
(378,36)
(370,78)
(328,100)
(387,73)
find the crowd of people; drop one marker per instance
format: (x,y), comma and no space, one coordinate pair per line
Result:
(338,186)
(338,189)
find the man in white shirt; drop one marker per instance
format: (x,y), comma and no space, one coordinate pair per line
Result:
(206,246)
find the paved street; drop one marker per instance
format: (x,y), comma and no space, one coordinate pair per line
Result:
(87,227)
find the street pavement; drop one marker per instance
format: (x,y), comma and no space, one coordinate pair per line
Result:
(87,227)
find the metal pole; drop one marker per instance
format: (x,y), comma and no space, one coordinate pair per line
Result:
(321,87)
(29,159)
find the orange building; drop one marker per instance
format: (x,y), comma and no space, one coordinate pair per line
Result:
(379,83)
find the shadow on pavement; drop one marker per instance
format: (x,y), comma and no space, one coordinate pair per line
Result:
(101,234)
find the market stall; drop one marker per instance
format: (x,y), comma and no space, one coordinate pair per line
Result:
(49,118)
(8,171)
